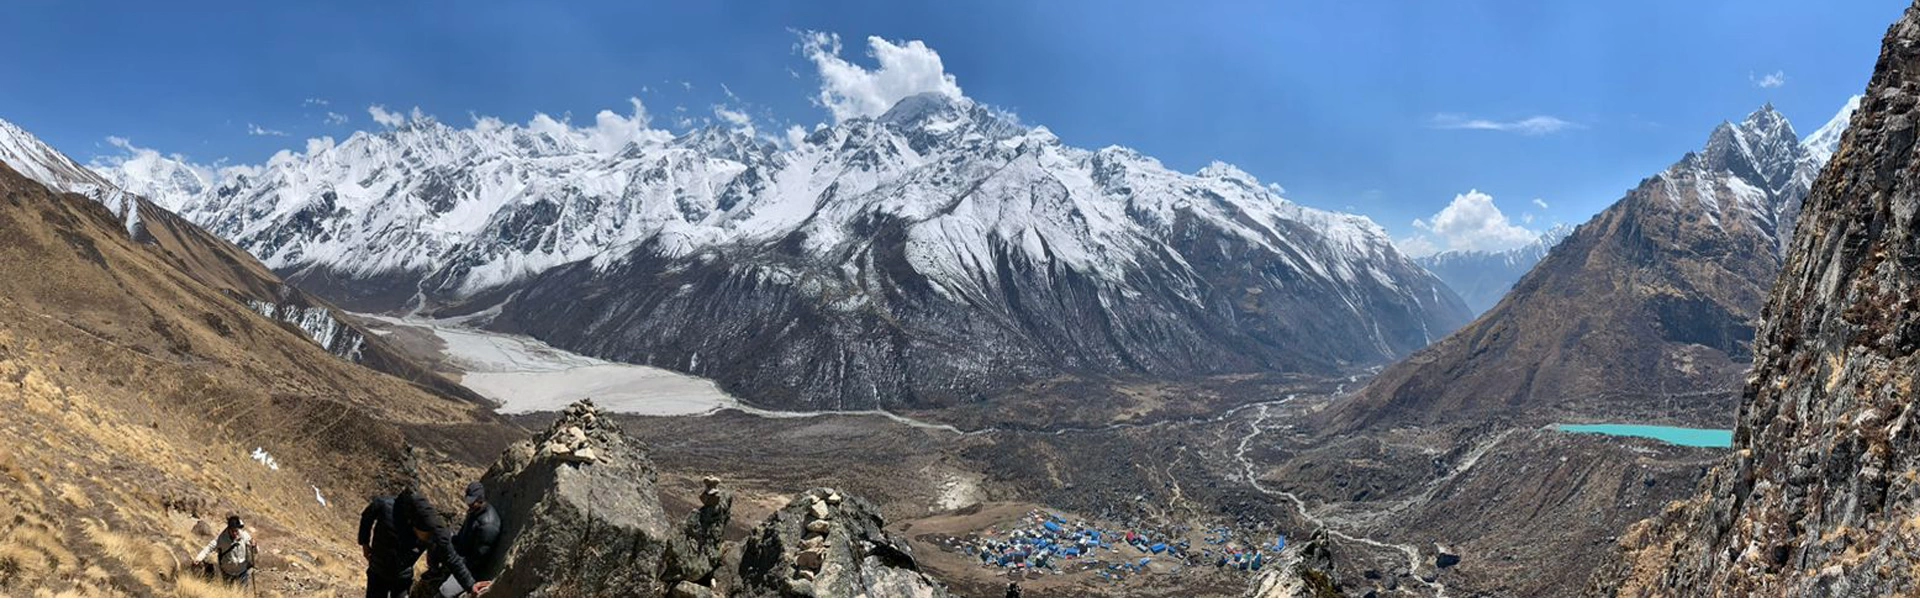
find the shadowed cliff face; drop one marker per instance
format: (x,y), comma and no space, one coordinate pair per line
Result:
(1822,495)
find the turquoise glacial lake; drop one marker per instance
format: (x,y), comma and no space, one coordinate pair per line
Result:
(1680,436)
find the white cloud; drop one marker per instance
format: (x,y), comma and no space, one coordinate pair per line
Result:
(169,179)
(385,117)
(1540,203)
(1470,222)
(253,129)
(738,120)
(609,133)
(334,118)
(851,91)
(315,102)
(1770,80)
(1534,125)
(796,136)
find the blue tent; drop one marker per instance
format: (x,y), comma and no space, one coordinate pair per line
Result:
(1158,548)
(1054,527)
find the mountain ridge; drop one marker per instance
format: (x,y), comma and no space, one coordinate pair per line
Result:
(1643,312)
(940,239)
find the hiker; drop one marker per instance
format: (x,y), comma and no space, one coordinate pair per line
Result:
(478,533)
(412,512)
(388,551)
(234,550)
(474,543)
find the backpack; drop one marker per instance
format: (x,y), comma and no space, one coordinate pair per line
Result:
(233,556)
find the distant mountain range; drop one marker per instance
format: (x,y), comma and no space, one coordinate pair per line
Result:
(940,253)
(1646,312)
(1482,277)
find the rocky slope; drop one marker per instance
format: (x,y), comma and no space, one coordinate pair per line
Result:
(1821,496)
(137,391)
(934,255)
(1646,312)
(1482,278)
(583,517)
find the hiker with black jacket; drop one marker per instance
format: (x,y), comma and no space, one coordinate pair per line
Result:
(415,528)
(389,554)
(479,531)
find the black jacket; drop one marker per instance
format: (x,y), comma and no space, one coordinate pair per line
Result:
(476,539)
(392,555)
(411,511)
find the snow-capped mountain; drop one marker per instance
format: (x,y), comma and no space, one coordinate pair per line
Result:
(938,253)
(1644,313)
(1820,145)
(210,261)
(37,161)
(1483,277)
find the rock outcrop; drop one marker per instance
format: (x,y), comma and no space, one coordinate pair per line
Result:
(830,544)
(695,558)
(580,515)
(580,512)
(1822,495)
(1301,571)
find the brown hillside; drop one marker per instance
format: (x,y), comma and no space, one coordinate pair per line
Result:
(136,382)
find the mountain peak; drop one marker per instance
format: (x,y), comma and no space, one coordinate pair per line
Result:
(919,107)
(1820,145)
(1762,148)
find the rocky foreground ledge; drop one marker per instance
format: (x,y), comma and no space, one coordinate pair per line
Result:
(581,516)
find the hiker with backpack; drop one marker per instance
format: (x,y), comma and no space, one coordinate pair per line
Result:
(233,550)
(394,532)
(388,550)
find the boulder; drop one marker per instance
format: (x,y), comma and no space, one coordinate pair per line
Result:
(573,527)
(857,558)
(699,551)
(1301,571)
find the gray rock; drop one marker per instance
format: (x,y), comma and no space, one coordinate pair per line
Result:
(700,550)
(688,589)
(579,528)
(857,558)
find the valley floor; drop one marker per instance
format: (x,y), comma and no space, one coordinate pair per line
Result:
(1524,510)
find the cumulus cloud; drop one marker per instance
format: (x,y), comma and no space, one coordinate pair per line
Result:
(737,120)
(610,131)
(315,102)
(1769,80)
(385,117)
(1471,222)
(334,118)
(851,91)
(796,136)
(1540,203)
(1534,125)
(253,129)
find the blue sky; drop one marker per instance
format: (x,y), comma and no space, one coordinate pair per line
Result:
(1351,105)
